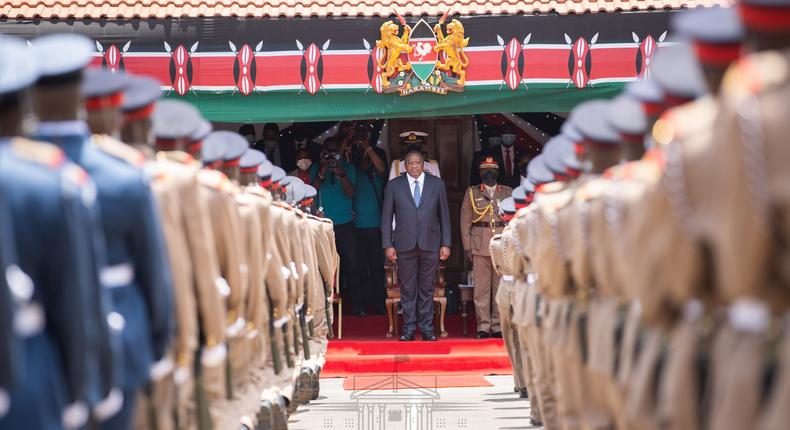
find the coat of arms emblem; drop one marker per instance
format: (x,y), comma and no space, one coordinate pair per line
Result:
(421,58)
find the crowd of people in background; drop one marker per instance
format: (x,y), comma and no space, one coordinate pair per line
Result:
(350,172)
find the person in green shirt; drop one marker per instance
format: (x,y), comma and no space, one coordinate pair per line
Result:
(335,179)
(371,164)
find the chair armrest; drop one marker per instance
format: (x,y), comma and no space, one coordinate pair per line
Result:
(391,274)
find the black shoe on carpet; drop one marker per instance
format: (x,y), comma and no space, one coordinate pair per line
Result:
(482,335)
(407,337)
(497,334)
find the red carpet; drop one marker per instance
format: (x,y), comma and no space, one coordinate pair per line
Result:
(399,382)
(365,350)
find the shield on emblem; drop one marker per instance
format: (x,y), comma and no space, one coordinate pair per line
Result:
(422,56)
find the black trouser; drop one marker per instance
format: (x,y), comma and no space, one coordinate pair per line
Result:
(371,268)
(417,270)
(346,245)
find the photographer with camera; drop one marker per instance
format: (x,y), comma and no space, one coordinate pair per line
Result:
(371,164)
(335,179)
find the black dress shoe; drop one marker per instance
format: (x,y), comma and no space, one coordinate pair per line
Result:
(497,334)
(430,337)
(482,335)
(523,394)
(407,337)
(535,423)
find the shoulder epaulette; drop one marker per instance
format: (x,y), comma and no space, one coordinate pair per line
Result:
(38,152)
(755,73)
(118,150)
(75,174)
(212,179)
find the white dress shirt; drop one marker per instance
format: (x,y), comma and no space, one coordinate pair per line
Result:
(421,180)
(512,157)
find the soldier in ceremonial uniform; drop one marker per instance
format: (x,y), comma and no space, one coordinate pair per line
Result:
(744,221)
(481,220)
(137,274)
(219,148)
(413,139)
(503,260)
(173,124)
(53,384)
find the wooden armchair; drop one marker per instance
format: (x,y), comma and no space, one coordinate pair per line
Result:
(393,298)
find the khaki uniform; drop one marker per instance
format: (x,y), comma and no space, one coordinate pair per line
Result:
(751,129)
(522,315)
(534,320)
(220,196)
(283,228)
(480,221)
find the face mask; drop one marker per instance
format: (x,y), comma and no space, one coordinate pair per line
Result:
(489,178)
(508,139)
(304,163)
(337,156)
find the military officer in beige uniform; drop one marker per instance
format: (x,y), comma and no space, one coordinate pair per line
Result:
(480,221)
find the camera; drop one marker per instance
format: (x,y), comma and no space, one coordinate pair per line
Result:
(330,159)
(361,133)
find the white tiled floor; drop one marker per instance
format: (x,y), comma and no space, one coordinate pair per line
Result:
(482,408)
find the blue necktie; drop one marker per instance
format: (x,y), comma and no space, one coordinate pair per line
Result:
(416,193)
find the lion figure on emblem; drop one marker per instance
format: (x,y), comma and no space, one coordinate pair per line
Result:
(453,46)
(394,46)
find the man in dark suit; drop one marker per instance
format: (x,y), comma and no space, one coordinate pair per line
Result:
(418,203)
(507,155)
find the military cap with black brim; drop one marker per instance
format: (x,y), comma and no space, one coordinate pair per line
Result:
(716,33)
(552,154)
(17,70)
(765,16)
(265,174)
(677,71)
(103,89)
(61,58)
(250,161)
(538,173)
(139,97)
(590,119)
(508,206)
(237,146)
(215,145)
(278,174)
(519,196)
(648,94)
(625,114)
(174,121)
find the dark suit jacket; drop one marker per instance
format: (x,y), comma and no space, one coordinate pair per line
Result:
(426,226)
(512,181)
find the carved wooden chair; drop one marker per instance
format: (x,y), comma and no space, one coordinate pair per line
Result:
(393,298)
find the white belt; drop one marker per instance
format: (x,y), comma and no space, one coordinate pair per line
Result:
(222,287)
(109,406)
(74,415)
(234,329)
(5,402)
(161,368)
(29,320)
(279,322)
(116,276)
(507,278)
(294,272)
(213,356)
(693,310)
(749,315)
